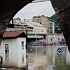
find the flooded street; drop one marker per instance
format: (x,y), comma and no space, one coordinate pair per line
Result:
(9,69)
(39,63)
(47,58)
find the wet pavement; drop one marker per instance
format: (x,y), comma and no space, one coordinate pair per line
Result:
(38,62)
(47,61)
(13,69)
(9,69)
(41,61)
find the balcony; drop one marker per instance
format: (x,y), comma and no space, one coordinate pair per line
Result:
(35,36)
(36,32)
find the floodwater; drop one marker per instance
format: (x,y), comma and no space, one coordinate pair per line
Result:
(48,58)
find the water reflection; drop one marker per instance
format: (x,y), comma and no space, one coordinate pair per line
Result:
(55,61)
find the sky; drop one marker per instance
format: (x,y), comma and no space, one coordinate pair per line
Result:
(35,9)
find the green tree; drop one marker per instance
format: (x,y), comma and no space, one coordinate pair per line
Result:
(54,18)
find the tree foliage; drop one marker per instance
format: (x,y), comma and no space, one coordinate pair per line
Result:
(54,19)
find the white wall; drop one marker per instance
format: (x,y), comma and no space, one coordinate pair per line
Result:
(12,50)
(15,52)
(39,30)
(21,52)
(54,38)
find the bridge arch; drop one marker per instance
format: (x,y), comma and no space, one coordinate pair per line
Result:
(8,8)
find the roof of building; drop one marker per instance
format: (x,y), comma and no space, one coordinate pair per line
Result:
(13,34)
(36,24)
(33,24)
(17,18)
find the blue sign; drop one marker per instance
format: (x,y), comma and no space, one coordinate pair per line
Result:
(59,51)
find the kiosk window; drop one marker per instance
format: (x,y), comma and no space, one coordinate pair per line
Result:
(6,52)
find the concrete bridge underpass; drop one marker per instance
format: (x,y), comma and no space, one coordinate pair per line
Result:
(8,8)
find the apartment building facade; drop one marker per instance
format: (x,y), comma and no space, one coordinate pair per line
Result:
(32,29)
(35,30)
(42,20)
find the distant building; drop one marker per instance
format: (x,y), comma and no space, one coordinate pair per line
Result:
(13,49)
(32,29)
(51,27)
(55,38)
(17,21)
(35,30)
(42,20)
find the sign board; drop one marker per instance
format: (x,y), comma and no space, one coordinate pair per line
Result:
(59,51)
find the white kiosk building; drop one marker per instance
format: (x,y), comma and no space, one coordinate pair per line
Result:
(13,49)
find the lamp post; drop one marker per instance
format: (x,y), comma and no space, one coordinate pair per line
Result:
(36,44)
(52,52)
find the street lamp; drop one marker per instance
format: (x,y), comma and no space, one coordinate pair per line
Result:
(53,52)
(36,44)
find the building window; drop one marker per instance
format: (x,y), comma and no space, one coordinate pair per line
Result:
(51,39)
(23,59)
(58,39)
(42,30)
(6,52)
(23,44)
